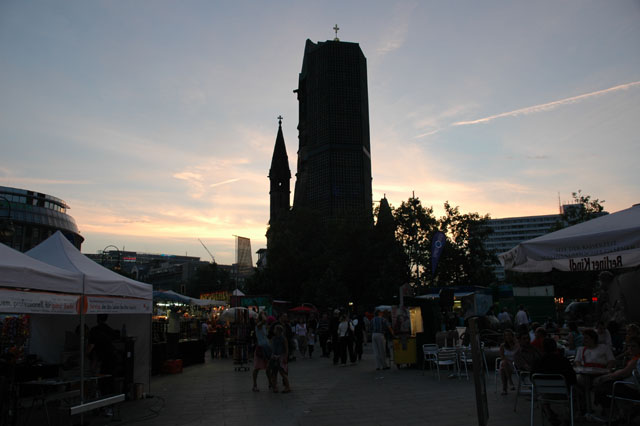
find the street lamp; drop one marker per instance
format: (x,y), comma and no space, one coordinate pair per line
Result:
(6,224)
(117,267)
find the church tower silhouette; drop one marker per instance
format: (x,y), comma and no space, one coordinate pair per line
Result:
(279,178)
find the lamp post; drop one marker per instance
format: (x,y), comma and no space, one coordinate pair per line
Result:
(6,224)
(117,267)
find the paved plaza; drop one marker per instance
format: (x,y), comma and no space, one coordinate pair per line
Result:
(323,394)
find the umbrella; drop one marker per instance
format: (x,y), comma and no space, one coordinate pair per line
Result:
(171,296)
(303,309)
(232,314)
(608,242)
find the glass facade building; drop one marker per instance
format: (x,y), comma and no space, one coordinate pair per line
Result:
(27,218)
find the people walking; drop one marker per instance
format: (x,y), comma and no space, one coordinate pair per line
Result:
(301,336)
(262,352)
(323,334)
(279,360)
(345,336)
(379,326)
(359,336)
(333,333)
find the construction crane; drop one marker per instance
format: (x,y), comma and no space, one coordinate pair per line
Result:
(213,259)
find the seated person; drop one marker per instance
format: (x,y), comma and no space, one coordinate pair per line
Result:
(527,354)
(604,336)
(593,354)
(603,385)
(552,362)
(539,337)
(575,338)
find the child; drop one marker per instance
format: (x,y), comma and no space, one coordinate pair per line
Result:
(311,340)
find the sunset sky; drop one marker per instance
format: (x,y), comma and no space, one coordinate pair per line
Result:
(155,120)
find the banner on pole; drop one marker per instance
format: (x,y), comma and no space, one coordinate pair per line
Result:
(437,245)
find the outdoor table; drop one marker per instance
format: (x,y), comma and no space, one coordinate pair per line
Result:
(589,374)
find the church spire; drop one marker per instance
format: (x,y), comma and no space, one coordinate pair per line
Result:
(279,177)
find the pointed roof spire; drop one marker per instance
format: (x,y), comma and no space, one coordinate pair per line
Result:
(280,160)
(336,29)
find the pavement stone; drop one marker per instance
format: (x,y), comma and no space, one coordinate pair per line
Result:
(323,394)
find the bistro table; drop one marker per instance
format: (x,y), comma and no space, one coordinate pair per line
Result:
(588,375)
(44,391)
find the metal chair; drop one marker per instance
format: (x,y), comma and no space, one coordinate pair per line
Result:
(496,372)
(524,385)
(484,358)
(550,389)
(466,359)
(635,384)
(430,353)
(447,357)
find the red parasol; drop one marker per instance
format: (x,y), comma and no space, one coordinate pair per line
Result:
(303,309)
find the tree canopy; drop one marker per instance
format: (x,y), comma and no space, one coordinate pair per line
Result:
(332,264)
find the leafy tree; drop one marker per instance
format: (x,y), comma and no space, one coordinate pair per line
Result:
(464,260)
(582,209)
(415,227)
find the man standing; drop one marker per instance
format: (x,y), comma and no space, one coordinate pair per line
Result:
(323,334)
(521,317)
(505,319)
(379,326)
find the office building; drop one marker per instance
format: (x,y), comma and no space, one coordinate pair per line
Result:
(28,217)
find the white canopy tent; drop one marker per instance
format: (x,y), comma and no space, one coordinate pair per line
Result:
(98,280)
(21,271)
(28,286)
(605,243)
(105,292)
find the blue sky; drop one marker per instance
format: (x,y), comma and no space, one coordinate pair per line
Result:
(155,120)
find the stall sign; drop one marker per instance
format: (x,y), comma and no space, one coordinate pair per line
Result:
(116,305)
(12,301)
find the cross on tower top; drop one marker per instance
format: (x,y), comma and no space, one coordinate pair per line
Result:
(336,29)
(280,120)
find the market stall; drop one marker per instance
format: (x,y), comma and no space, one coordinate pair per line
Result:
(186,342)
(128,302)
(29,290)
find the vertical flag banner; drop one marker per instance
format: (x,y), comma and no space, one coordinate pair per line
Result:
(437,245)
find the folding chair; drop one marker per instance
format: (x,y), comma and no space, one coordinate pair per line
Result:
(447,357)
(550,389)
(430,353)
(484,358)
(524,385)
(496,372)
(635,384)
(466,359)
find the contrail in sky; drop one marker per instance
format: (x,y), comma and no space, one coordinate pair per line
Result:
(548,106)
(224,182)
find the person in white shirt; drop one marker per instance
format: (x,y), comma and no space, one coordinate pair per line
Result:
(521,317)
(504,318)
(604,337)
(301,336)
(593,354)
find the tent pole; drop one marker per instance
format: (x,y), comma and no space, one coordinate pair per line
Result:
(150,347)
(82,349)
